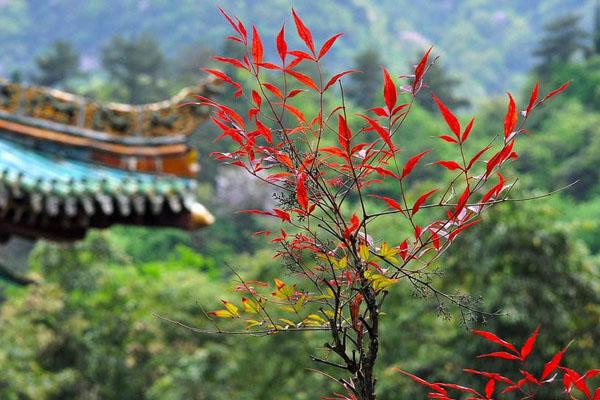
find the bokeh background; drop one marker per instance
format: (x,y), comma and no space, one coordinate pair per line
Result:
(87,330)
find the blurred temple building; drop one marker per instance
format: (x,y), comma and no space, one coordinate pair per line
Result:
(68,164)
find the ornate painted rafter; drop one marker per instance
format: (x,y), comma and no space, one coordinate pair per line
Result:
(68,164)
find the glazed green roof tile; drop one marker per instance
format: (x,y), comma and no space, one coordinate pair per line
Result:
(32,171)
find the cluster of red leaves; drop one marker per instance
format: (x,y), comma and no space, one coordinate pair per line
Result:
(317,161)
(528,383)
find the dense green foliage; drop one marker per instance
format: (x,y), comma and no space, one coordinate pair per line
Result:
(89,330)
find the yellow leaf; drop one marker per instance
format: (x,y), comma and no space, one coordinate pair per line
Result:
(222,314)
(283,290)
(317,318)
(379,281)
(287,322)
(383,283)
(231,308)
(343,263)
(363,252)
(252,323)
(251,306)
(388,253)
(310,322)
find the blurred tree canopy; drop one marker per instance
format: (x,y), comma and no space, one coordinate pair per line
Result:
(57,64)
(136,68)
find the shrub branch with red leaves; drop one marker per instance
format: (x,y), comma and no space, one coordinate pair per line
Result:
(526,383)
(326,175)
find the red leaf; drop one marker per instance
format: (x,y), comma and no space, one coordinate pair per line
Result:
(423,382)
(257,47)
(354,224)
(533,98)
(489,388)
(264,131)
(390,202)
(528,346)
(511,119)
(273,89)
(381,131)
(421,200)
(556,91)
(451,165)
(460,388)
(380,111)
(283,215)
(381,171)
(389,90)
(420,69)
(412,163)
(256,98)
(301,193)
(590,374)
(461,228)
(232,61)
(305,79)
(448,139)
(304,32)
(281,44)
(467,131)
(573,378)
(335,78)
(399,108)
(344,133)
(462,201)
(239,28)
(242,30)
(493,338)
(327,45)
(499,157)
(225,78)
(551,365)
(333,150)
(294,92)
(450,118)
(491,375)
(476,157)
(501,354)
(530,377)
(294,111)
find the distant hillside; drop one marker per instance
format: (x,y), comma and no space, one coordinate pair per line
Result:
(486,43)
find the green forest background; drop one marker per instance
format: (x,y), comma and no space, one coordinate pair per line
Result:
(88,328)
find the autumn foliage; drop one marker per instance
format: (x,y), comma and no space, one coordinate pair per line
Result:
(327,168)
(527,384)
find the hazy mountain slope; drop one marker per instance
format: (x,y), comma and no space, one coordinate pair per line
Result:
(487,43)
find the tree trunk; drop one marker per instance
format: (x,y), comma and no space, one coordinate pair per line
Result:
(364,378)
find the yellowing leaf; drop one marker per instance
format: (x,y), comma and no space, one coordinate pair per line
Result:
(231,308)
(250,323)
(388,253)
(379,282)
(283,290)
(222,314)
(251,306)
(317,318)
(287,322)
(363,252)
(342,263)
